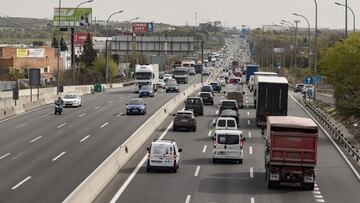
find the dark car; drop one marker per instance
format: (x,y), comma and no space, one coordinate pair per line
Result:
(298,87)
(230,113)
(136,106)
(228,104)
(207,97)
(184,119)
(146,91)
(171,86)
(207,88)
(216,86)
(195,104)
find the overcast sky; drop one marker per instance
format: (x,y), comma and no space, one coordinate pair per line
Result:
(253,13)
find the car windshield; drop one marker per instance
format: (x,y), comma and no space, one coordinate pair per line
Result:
(221,123)
(146,87)
(180,72)
(70,96)
(167,76)
(205,94)
(228,103)
(136,102)
(171,82)
(184,115)
(231,123)
(228,139)
(193,101)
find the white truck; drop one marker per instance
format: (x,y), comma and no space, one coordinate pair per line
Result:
(147,75)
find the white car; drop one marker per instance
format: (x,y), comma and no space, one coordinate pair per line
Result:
(72,99)
(226,123)
(167,76)
(163,154)
(228,144)
(162,83)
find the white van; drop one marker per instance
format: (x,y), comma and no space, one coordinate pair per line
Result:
(228,144)
(163,154)
(226,123)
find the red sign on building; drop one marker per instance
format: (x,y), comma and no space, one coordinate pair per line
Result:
(140,27)
(80,38)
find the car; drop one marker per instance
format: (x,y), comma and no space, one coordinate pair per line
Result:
(228,104)
(161,83)
(228,145)
(251,83)
(171,86)
(207,88)
(229,113)
(146,91)
(222,82)
(184,119)
(195,104)
(192,71)
(136,106)
(305,89)
(167,76)
(72,99)
(216,86)
(163,155)
(226,123)
(234,80)
(206,72)
(298,87)
(207,97)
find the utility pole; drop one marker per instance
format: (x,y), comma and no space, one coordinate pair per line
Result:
(346,17)
(296,48)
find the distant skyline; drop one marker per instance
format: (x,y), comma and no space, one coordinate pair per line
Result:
(254,13)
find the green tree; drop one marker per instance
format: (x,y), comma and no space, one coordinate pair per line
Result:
(100,68)
(340,63)
(63,46)
(89,54)
(54,43)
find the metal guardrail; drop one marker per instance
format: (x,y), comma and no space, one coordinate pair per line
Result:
(335,132)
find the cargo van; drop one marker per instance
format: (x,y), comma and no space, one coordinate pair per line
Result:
(163,154)
(228,145)
(226,123)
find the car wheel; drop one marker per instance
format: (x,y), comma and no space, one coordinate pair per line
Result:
(214,160)
(174,129)
(194,129)
(148,169)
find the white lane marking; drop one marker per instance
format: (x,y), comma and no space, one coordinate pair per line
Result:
(58,156)
(109,102)
(62,125)
(17,156)
(132,175)
(249,134)
(332,140)
(246,101)
(316,192)
(82,115)
(252,200)
(217,112)
(43,116)
(22,182)
(31,141)
(318,196)
(209,134)
(22,125)
(82,140)
(98,107)
(197,171)
(105,124)
(4,156)
(188,198)
(120,114)
(316,188)
(248,122)
(248,113)
(121,97)
(250,150)
(251,172)
(204,149)
(320,200)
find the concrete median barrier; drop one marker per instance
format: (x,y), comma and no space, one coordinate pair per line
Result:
(91,187)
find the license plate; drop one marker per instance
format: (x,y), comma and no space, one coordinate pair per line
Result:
(184,120)
(135,110)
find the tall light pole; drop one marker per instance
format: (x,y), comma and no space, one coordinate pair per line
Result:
(309,40)
(291,42)
(290,24)
(340,4)
(346,17)
(296,41)
(72,41)
(315,40)
(106,46)
(59,51)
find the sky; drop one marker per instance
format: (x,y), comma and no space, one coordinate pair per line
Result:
(253,13)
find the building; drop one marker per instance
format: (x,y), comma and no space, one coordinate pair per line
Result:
(20,59)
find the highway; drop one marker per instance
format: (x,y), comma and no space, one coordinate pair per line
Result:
(199,180)
(44,157)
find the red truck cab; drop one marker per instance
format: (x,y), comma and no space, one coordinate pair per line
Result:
(291,151)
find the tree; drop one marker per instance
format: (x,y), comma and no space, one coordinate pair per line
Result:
(63,46)
(89,54)
(100,69)
(54,43)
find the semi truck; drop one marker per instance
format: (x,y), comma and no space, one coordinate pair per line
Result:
(291,152)
(147,75)
(271,99)
(250,70)
(181,75)
(253,87)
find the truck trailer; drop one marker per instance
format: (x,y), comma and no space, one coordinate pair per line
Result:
(291,152)
(250,70)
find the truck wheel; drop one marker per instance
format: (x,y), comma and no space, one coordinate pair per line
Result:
(308,186)
(240,161)
(273,184)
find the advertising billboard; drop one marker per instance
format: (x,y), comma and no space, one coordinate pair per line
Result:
(80,38)
(30,53)
(72,17)
(143,27)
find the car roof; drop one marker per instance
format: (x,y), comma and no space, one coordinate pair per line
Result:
(225,118)
(228,132)
(228,112)
(185,112)
(272,79)
(136,99)
(227,100)
(163,142)
(194,97)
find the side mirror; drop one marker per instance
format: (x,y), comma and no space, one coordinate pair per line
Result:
(148,149)
(174,115)
(127,104)
(262,131)
(243,93)
(243,139)
(180,150)
(144,104)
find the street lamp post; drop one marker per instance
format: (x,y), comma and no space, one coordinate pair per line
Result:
(106,46)
(59,51)
(309,40)
(127,39)
(315,40)
(291,42)
(340,4)
(290,24)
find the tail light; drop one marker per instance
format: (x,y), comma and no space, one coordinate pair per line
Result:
(174,156)
(241,144)
(192,120)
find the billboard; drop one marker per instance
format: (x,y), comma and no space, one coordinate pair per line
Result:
(143,27)
(72,17)
(80,38)
(30,53)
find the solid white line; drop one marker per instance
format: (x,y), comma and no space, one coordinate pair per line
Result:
(98,107)
(35,139)
(217,112)
(249,134)
(204,149)
(252,200)
(82,140)
(250,150)
(248,113)
(4,156)
(109,102)
(105,124)
(327,134)
(248,122)
(58,156)
(197,171)
(22,125)
(209,134)
(22,182)
(62,125)
(117,116)
(251,172)
(82,115)
(188,197)
(132,175)
(43,116)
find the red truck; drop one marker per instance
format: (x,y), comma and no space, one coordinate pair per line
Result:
(291,151)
